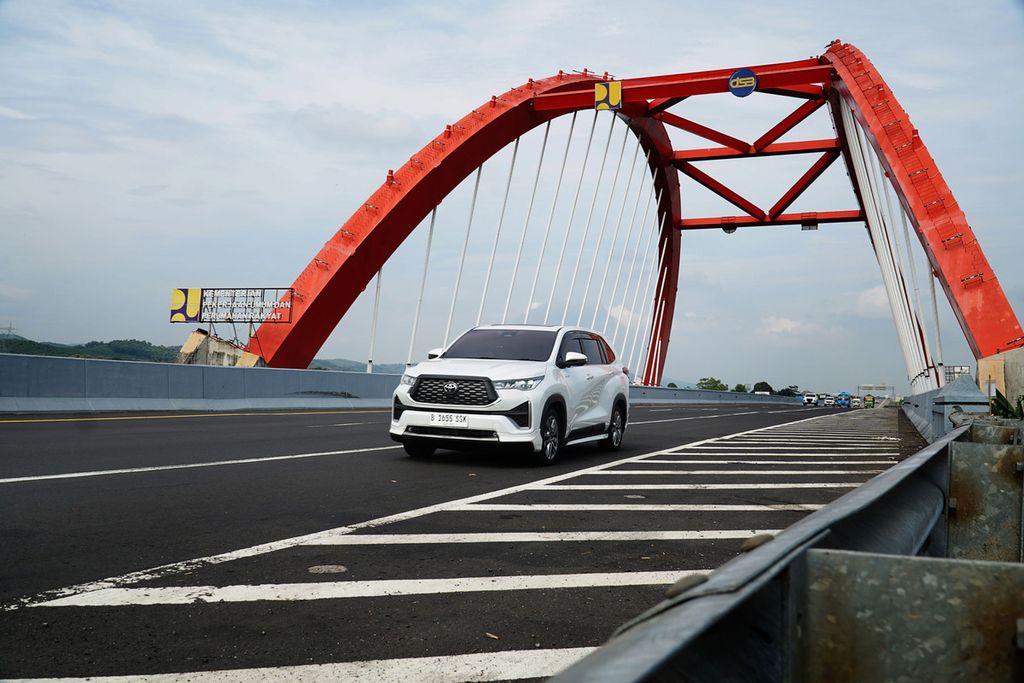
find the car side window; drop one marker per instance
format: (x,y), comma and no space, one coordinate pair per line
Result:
(592,350)
(569,343)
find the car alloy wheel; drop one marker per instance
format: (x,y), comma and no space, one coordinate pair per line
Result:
(550,436)
(616,429)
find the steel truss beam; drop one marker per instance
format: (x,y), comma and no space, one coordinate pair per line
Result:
(807,217)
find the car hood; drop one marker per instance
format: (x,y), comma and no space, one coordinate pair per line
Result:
(479,367)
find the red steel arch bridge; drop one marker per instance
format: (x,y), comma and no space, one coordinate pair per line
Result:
(897,190)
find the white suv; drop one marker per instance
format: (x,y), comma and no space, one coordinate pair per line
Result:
(534,387)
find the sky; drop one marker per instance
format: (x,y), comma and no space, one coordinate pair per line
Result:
(146,146)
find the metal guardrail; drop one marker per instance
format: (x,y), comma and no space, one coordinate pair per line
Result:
(854,591)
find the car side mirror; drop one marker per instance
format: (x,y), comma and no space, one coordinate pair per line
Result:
(434,353)
(574,359)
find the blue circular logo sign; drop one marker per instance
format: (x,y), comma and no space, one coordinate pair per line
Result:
(742,82)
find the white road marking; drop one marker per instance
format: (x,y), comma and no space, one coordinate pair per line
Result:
(692,417)
(616,507)
(754,454)
(725,448)
(335,590)
(534,537)
(188,565)
(344,424)
(482,667)
(662,410)
(216,463)
(738,472)
(773,462)
(696,487)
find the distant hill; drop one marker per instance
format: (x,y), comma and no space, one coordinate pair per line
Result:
(116,349)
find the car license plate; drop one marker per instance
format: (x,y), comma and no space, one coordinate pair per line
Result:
(448,420)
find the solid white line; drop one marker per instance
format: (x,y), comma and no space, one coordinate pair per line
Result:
(694,487)
(482,667)
(739,472)
(335,590)
(615,507)
(216,463)
(532,537)
(251,551)
(726,448)
(756,454)
(742,461)
(694,417)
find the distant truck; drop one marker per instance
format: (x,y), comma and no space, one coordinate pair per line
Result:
(843,399)
(869,401)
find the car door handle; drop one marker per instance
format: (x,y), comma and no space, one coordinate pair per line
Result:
(590,377)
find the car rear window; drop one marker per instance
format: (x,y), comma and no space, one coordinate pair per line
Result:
(503,345)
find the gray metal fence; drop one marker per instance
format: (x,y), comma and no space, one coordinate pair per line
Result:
(855,592)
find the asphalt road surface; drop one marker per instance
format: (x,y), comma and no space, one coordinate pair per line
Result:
(306,545)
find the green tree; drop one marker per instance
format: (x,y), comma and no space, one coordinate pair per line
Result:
(764,386)
(712,384)
(741,389)
(791,390)
(672,385)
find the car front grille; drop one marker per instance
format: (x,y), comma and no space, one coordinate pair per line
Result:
(453,432)
(454,391)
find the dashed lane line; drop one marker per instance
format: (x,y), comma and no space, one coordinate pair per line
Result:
(215,463)
(537,537)
(483,667)
(336,590)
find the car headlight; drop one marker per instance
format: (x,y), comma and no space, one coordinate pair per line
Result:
(521,384)
(408,380)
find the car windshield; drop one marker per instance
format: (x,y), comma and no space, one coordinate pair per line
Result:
(503,345)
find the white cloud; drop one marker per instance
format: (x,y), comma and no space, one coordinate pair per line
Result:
(872,303)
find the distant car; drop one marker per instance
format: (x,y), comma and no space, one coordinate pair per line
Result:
(810,399)
(855,402)
(532,387)
(830,401)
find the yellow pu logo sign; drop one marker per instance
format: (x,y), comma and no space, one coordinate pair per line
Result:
(608,95)
(185,304)
(743,82)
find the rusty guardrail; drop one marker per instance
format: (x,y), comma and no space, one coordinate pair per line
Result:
(916,575)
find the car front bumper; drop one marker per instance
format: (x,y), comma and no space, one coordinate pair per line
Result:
(500,423)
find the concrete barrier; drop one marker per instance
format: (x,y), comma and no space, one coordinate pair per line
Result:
(44,384)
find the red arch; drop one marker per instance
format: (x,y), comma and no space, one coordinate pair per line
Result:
(340,271)
(974,293)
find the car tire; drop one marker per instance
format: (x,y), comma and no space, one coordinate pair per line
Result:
(552,436)
(616,430)
(418,450)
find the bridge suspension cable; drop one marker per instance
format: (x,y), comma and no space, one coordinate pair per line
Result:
(497,233)
(625,243)
(572,214)
(462,259)
(590,216)
(551,217)
(526,222)
(638,249)
(423,284)
(604,221)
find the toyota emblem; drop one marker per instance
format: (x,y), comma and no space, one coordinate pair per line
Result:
(451,388)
